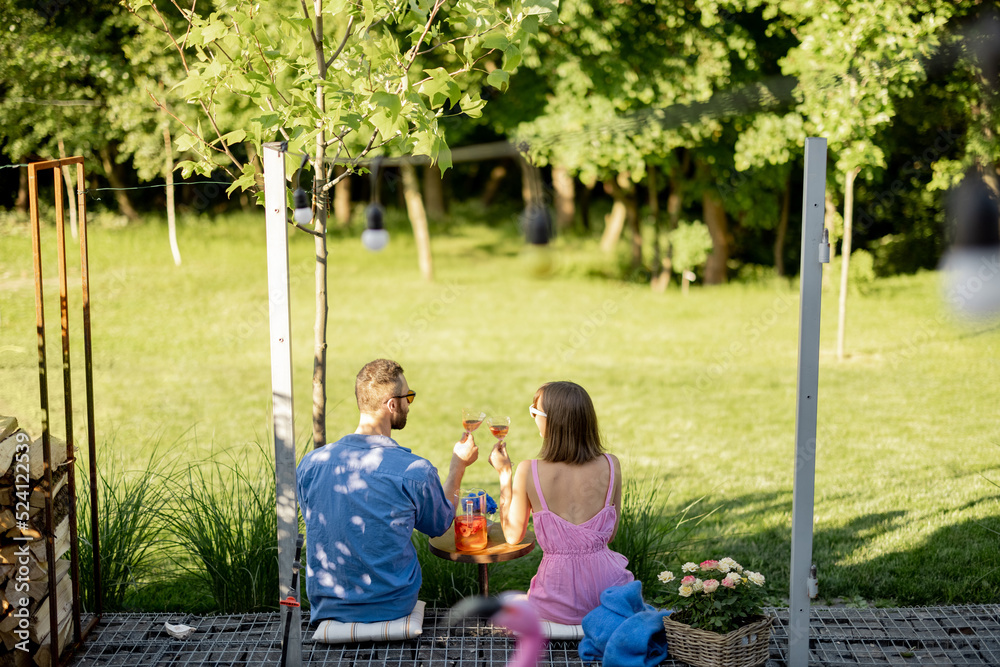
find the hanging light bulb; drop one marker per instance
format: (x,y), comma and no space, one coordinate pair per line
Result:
(537,225)
(303,210)
(376,236)
(971,267)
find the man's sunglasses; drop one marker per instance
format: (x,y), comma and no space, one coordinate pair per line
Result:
(409,396)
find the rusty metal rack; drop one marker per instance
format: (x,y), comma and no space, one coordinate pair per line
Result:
(34,169)
(840,637)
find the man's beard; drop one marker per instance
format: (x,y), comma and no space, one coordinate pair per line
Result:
(398,421)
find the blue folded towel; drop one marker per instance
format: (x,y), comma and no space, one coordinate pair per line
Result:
(624,631)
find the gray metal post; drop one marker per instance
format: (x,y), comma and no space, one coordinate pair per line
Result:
(281,387)
(810,297)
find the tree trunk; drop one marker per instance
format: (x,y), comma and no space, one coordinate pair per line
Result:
(659,270)
(632,216)
(418,218)
(113,171)
(845,255)
(258,173)
(565,197)
(71,199)
(320,199)
(779,240)
(718,228)
(830,222)
(21,204)
(614,222)
(675,203)
(585,193)
(531,184)
(342,199)
(168,171)
(434,192)
(497,174)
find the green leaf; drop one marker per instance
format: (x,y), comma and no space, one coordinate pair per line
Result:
(441,154)
(214,30)
(498,79)
(186,142)
(511,58)
(213,70)
(387,101)
(186,167)
(547,11)
(472,105)
(246,180)
(496,40)
(529,25)
(234,137)
(440,87)
(384,121)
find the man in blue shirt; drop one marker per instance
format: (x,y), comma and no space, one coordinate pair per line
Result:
(362,497)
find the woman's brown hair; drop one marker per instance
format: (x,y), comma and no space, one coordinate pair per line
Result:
(571,431)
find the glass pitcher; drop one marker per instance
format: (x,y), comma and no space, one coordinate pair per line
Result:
(470,521)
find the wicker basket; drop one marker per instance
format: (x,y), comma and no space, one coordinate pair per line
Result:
(745,647)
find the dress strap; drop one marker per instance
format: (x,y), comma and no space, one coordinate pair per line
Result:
(538,487)
(611,483)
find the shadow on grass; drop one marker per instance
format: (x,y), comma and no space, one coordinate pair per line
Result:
(958,563)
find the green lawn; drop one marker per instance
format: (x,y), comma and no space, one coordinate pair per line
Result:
(696,391)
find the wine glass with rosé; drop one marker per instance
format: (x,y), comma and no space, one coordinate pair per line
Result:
(499,427)
(471,419)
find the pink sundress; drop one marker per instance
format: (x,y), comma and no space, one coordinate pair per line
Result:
(577,565)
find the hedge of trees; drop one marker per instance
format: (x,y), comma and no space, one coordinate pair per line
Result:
(673,111)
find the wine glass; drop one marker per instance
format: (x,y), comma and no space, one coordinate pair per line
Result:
(471,419)
(499,427)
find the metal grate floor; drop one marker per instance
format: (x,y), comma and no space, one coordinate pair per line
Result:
(840,637)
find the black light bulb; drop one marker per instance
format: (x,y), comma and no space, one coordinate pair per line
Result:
(375,237)
(537,225)
(303,210)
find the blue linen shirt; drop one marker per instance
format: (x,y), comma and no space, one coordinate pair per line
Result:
(362,497)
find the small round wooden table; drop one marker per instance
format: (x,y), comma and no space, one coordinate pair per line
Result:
(497,551)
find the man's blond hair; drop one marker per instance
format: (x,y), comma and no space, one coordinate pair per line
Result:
(376,382)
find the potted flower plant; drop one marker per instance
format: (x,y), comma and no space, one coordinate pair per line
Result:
(718,614)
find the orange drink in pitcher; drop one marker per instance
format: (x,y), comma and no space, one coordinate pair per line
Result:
(470,522)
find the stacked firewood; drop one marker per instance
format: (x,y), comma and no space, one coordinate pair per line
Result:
(25,620)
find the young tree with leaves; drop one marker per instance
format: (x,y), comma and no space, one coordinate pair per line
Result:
(338,80)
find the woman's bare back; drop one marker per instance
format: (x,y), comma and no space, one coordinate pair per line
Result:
(574,492)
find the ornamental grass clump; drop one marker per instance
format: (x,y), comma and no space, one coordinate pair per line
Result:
(716,595)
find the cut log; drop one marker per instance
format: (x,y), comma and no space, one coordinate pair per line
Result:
(7,447)
(39,629)
(37,581)
(43,658)
(24,573)
(7,426)
(57,449)
(61,542)
(60,509)
(59,477)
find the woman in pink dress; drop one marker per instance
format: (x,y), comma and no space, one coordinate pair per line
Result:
(574,490)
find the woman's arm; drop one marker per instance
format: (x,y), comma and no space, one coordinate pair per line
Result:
(513,505)
(616,498)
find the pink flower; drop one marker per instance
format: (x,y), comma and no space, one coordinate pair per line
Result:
(688,580)
(709,564)
(728,583)
(710,585)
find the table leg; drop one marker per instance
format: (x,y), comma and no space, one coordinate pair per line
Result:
(484,580)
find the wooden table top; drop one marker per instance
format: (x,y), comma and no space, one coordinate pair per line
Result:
(497,550)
